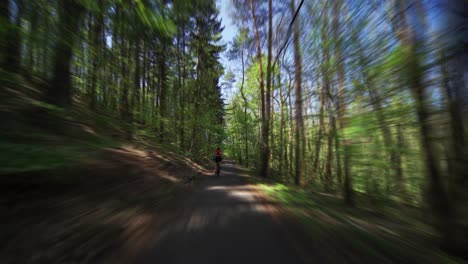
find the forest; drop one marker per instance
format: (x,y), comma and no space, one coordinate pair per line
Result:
(359,98)
(117,104)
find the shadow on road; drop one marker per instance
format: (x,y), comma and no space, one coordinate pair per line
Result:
(224,222)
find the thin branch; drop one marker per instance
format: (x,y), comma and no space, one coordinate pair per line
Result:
(289,32)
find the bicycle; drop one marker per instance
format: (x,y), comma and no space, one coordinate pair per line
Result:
(218,168)
(218,158)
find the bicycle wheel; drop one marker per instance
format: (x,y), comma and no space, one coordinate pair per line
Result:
(217,169)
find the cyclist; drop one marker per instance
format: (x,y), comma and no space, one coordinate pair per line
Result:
(218,158)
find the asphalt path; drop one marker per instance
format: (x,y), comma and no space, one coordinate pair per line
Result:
(224,221)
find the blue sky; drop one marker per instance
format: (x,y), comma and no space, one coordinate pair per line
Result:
(229,29)
(228,34)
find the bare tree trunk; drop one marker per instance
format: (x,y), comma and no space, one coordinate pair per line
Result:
(264,133)
(4,20)
(282,125)
(325,102)
(124,100)
(182,96)
(290,139)
(299,135)
(323,99)
(136,81)
(60,90)
(341,105)
(328,162)
(458,159)
(437,196)
(96,56)
(338,170)
(162,96)
(32,39)
(266,130)
(12,50)
(245,108)
(144,87)
(319,136)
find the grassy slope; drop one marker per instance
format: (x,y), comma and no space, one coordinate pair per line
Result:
(76,192)
(358,235)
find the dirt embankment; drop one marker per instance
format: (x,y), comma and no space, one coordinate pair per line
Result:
(107,203)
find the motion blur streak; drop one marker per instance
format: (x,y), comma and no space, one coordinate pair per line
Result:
(342,126)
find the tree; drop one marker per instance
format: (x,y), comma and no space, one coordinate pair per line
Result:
(299,126)
(266,130)
(60,90)
(12,46)
(97,43)
(438,198)
(5,25)
(453,63)
(264,140)
(341,105)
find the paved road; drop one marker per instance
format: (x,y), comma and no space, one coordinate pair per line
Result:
(224,222)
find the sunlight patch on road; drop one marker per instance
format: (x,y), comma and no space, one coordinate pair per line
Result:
(217,188)
(244,195)
(197,220)
(260,208)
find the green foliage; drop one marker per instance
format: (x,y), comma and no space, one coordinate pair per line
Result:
(155,19)
(29,157)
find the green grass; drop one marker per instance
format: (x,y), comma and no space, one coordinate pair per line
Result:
(40,150)
(29,157)
(376,237)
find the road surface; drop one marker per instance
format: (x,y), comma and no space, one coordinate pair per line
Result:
(224,222)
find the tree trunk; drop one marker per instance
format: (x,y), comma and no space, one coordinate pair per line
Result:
(182,95)
(328,162)
(97,31)
(60,90)
(458,157)
(264,138)
(136,82)
(144,82)
(319,136)
(290,139)
(124,98)
(162,97)
(5,22)
(437,196)
(266,130)
(282,125)
(338,169)
(341,105)
(245,108)
(299,135)
(12,60)
(32,39)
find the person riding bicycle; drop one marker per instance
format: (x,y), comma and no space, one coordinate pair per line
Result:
(218,158)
